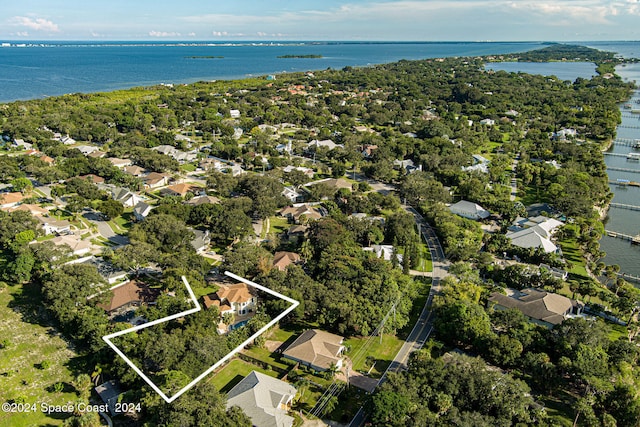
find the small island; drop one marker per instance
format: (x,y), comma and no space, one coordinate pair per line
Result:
(301,56)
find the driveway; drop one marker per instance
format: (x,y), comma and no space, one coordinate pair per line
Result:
(104,229)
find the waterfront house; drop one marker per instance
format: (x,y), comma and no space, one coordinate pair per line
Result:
(265,400)
(543,308)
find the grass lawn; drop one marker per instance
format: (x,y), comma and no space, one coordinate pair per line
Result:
(234,372)
(278,224)
(572,253)
(264,355)
(383,353)
(188,167)
(31,342)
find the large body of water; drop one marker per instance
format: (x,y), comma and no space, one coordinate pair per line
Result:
(43,69)
(38,70)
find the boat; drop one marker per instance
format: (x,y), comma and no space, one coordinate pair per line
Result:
(633,156)
(627,106)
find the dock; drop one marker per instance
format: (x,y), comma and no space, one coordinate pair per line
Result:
(635,240)
(625,183)
(623,206)
(629,278)
(627,142)
(624,170)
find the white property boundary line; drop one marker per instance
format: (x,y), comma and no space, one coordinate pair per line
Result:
(107,338)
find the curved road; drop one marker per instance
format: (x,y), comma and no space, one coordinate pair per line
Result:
(424,325)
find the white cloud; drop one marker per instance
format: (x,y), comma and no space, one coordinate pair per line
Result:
(262,34)
(191,34)
(164,34)
(36,24)
(220,33)
(22,34)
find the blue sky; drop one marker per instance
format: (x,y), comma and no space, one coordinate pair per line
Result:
(420,20)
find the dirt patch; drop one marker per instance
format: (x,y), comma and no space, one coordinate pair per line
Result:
(272,345)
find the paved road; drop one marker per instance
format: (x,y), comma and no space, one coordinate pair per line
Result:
(424,325)
(104,229)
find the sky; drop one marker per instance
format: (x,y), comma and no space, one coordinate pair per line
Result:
(273,20)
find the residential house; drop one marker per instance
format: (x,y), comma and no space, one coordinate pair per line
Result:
(236,170)
(129,295)
(367,150)
(78,246)
(67,140)
(134,170)
(9,200)
(480,164)
(285,148)
(407,165)
(532,238)
(109,394)
(47,159)
(201,241)
(120,163)
(564,134)
(179,190)
(93,178)
(126,197)
(97,154)
(307,171)
(156,180)
(327,143)
(141,211)
(212,164)
(54,226)
(179,155)
(535,232)
(469,210)
(303,212)
(237,299)
(293,195)
(87,149)
(22,144)
(234,114)
(487,122)
(282,260)
(384,251)
(558,273)
(317,349)
(265,400)
(203,200)
(540,307)
(108,271)
(34,210)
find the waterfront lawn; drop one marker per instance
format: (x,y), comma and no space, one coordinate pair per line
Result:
(572,253)
(28,341)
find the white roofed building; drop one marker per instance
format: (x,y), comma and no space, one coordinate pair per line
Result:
(469,210)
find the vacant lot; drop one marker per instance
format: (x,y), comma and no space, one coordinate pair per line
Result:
(33,358)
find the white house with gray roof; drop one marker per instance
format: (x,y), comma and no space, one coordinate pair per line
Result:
(264,399)
(469,210)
